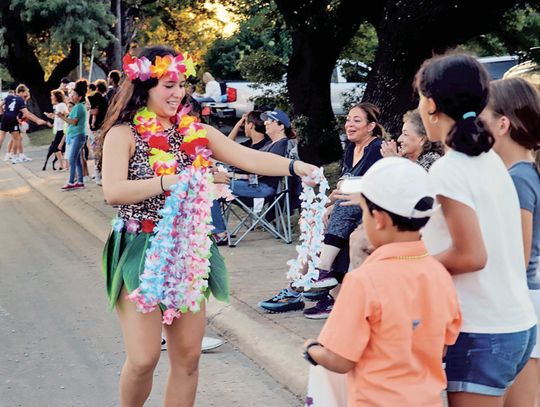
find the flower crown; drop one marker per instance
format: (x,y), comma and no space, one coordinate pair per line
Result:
(143,69)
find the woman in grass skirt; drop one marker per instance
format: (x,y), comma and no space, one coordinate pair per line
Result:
(147,144)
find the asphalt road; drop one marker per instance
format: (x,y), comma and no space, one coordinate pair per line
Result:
(59,346)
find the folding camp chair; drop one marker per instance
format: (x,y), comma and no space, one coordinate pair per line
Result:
(275,216)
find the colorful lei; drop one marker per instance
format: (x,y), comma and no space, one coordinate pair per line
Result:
(177,262)
(311,232)
(143,69)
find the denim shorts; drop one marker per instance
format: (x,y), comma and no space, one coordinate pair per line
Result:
(487,363)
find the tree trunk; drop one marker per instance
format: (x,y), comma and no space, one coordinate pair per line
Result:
(319,32)
(308,82)
(411,31)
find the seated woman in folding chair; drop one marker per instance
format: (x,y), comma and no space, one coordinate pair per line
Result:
(364,135)
(278,128)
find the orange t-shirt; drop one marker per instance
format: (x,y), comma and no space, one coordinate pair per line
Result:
(393,317)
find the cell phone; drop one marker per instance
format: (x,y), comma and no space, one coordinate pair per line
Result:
(351,185)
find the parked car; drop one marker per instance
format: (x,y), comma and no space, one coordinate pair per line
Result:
(240,95)
(497,66)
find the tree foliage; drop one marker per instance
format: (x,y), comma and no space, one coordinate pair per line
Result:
(262,29)
(517,36)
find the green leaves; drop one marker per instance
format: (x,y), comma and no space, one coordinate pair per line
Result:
(64,21)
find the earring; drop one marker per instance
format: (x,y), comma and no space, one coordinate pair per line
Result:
(431,116)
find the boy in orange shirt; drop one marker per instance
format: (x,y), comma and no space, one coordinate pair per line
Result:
(396,313)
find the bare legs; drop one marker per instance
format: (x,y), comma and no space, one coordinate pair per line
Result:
(328,255)
(524,391)
(184,339)
(142,338)
(2,137)
(473,400)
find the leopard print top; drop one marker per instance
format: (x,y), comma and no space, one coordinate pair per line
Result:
(139,168)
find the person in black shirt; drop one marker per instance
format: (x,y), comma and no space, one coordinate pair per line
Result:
(14,107)
(254,129)
(98,105)
(364,134)
(98,110)
(114,81)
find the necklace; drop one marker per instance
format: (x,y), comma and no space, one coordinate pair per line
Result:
(413,257)
(152,132)
(177,262)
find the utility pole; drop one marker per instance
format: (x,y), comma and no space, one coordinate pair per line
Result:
(80,60)
(118,42)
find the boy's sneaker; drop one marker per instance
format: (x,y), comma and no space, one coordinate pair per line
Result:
(321,310)
(78,185)
(325,281)
(68,187)
(284,301)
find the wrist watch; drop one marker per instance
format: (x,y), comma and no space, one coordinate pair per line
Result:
(307,356)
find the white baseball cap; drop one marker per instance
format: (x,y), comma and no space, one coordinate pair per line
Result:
(395,184)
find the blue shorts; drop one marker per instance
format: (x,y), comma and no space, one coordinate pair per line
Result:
(487,363)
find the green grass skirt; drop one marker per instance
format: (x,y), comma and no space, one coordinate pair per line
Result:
(123,262)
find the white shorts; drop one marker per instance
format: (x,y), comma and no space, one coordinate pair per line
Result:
(68,149)
(535,298)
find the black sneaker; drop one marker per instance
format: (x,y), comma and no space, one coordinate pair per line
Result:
(283,302)
(163,344)
(326,281)
(321,310)
(314,295)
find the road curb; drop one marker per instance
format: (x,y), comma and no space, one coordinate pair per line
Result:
(274,348)
(269,345)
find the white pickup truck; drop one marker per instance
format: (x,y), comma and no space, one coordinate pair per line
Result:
(240,95)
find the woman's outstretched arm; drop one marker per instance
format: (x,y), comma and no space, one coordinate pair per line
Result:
(251,160)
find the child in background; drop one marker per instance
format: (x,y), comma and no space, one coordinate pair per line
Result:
(513,117)
(396,313)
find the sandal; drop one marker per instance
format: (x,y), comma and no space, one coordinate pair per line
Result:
(221,239)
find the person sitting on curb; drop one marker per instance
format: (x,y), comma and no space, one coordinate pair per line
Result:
(395,314)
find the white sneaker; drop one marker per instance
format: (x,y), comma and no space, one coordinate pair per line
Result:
(207,343)
(211,343)
(7,157)
(24,158)
(15,160)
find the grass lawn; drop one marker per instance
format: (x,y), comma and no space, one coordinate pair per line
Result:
(41,137)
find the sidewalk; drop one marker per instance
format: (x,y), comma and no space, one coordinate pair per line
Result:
(257,271)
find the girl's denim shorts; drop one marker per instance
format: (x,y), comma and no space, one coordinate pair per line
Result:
(487,363)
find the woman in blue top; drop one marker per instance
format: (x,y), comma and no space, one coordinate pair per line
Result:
(513,117)
(76,135)
(364,135)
